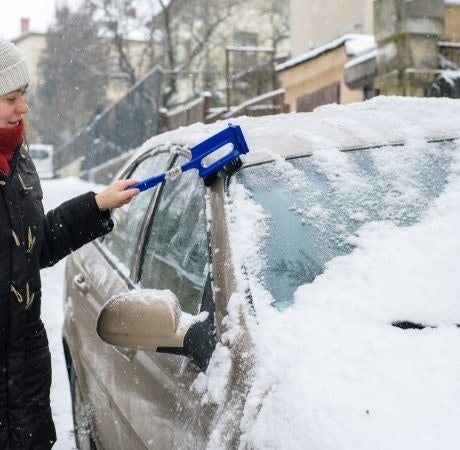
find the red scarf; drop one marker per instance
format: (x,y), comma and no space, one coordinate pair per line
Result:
(10,138)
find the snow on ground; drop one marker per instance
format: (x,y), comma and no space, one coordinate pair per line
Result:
(55,192)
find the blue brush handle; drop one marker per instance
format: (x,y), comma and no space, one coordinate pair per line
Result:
(149,182)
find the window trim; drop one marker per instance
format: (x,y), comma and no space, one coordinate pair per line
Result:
(131,280)
(151,212)
(175,151)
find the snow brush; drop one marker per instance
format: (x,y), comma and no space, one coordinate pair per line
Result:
(231,135)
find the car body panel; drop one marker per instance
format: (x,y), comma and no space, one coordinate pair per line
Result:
(121,383)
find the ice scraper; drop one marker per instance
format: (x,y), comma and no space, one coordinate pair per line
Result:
(231,135)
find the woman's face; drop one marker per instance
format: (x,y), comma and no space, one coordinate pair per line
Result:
(12,107)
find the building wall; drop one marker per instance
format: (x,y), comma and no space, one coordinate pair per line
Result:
(117,87)
(315,75)
(452,22)
(412,45)
(408,48)
(31,45)
(314,22)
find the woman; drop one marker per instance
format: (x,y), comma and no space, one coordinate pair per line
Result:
(29,241)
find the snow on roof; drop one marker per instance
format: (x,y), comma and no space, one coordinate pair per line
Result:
(361,58)
(354,44)
(449,43)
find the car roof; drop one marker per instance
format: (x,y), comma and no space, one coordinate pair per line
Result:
(376,122)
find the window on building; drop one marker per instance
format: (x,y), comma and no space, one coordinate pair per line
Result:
(244,60)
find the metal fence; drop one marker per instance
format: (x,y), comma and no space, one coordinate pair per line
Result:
(266,104)
(192,112)
(120,128)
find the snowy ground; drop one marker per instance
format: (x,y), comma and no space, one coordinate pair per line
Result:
(55,192)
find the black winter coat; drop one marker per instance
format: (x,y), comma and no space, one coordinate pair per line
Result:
(29,241)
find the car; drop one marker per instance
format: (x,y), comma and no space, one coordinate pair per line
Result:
(304,298)
(42,156)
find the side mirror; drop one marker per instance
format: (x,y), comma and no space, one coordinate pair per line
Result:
(144,320)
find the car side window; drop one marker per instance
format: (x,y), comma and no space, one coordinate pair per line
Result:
(176,252)
(122,242)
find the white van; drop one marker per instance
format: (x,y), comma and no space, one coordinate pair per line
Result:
(42,156)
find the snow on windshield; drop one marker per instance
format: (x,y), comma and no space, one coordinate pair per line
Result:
(343,376)
(331,372)
(314,204)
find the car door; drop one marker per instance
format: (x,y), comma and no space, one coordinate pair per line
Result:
(155,390)
(101,270)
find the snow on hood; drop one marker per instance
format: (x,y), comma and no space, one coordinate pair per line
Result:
(333,373)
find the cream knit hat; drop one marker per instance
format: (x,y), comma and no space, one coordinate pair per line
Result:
(13,68)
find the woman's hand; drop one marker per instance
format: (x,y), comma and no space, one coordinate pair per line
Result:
(116,194)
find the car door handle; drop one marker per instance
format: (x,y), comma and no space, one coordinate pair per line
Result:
(80,281)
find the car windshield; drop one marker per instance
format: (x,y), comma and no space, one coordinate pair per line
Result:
(312,207)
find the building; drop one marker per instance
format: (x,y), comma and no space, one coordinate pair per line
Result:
(316,77)
(31,45)
(383,55)
(317,22)
(412,54)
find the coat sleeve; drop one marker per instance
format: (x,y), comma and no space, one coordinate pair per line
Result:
(70,226)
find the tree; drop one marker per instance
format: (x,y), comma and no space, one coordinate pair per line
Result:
(259,74)
(178,35)
(195,34)
(74,77)
(122,23)
(191,32)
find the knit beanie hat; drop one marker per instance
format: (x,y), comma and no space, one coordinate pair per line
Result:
(13,69)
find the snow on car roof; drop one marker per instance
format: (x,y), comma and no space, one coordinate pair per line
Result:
(379,121)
